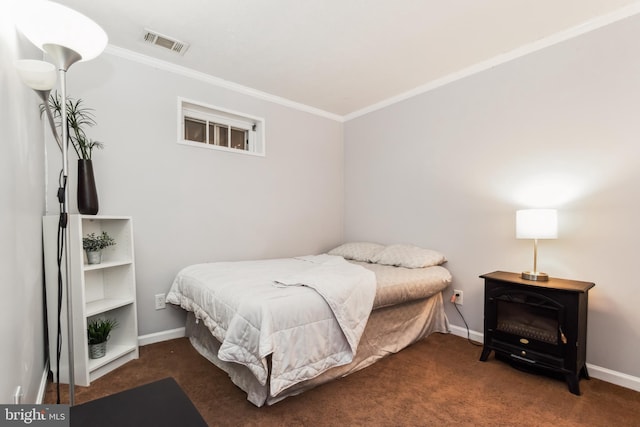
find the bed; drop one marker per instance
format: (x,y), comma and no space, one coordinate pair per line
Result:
(279,327)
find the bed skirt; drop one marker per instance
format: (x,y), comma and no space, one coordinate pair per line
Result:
(389,330)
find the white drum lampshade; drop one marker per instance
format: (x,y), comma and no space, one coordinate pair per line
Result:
(536,224)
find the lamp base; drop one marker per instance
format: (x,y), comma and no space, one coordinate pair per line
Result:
(535,275)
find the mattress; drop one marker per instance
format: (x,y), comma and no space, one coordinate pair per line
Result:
(395,285)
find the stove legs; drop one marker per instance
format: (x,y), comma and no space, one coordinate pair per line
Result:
(485,354)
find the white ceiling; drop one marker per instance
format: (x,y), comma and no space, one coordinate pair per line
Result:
(343,56)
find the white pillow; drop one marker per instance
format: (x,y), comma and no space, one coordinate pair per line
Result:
(408,256)
(357,251)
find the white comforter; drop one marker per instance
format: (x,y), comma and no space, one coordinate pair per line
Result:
(308,313)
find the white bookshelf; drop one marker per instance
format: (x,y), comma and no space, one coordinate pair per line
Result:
(105,290)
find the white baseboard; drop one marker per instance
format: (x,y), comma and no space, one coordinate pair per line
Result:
(161,336)
(604,374)
(614,377)
(462,332)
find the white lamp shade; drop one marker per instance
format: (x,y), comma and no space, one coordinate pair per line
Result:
(537,224)
(38,75)
(45,22)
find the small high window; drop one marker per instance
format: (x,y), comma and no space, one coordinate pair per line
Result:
(213,127)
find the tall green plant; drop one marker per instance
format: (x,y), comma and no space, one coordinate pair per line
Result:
(78,118)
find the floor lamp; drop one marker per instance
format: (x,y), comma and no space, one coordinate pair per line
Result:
(67,37)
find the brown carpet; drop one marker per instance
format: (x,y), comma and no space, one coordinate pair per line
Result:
(437,381)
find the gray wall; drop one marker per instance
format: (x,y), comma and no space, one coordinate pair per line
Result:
(557,128)
(193,205)
(22,354)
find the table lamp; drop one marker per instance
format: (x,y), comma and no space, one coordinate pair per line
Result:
(536,224)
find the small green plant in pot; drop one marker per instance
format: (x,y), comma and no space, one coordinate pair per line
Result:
(98,331)
(94,244)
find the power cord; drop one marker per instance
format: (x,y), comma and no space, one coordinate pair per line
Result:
(453,301)
(62,225)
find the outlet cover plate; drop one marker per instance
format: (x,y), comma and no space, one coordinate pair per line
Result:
(160,303)
(459,298)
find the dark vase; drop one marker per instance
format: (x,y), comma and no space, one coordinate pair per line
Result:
(87,193)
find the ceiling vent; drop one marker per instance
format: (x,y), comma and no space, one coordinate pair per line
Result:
(165,41)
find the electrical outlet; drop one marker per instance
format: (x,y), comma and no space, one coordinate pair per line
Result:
(459,296)
(160,304)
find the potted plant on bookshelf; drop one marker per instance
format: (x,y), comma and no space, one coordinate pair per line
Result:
(78,118)
(98,331)
(94,244)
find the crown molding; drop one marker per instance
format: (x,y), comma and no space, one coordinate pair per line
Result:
(216,81)
(578,30)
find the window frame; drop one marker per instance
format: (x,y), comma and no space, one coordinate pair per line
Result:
(214,115)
